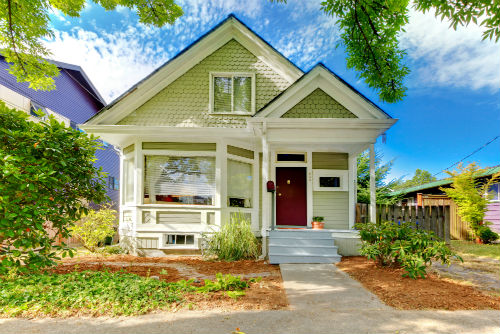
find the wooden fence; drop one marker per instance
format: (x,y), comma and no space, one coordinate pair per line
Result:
(434,218)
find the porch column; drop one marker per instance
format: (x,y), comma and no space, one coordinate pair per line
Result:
(265,194)
(373,198)
(353,188)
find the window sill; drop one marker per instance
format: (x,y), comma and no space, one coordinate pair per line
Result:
(236,113)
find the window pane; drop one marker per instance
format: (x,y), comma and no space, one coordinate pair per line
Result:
(494,192)
(239,184)
(329,181)
(242,94)
(222,94)
(179,180)
(291,157)
(128,166)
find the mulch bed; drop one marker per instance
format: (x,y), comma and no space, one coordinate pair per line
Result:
(420,294)
(268,294)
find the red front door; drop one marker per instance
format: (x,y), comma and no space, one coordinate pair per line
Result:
(291,196)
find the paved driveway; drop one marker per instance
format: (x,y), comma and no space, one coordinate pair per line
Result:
(324,300)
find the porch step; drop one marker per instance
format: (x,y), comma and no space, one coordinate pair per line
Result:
(302,246)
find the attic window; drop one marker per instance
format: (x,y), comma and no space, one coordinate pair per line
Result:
(232,93)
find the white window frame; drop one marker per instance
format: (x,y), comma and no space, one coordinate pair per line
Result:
(495,200)
(342,174)
(231,75)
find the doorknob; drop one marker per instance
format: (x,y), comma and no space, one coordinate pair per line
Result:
(279,194)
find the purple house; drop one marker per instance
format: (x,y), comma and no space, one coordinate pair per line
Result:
(73,101)
(417,194)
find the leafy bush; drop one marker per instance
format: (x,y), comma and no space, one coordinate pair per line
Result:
(114,249)
(234,241)
(485,233)
(389,243)
(95,226)
(46,177)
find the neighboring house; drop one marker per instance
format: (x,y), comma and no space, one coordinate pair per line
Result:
(203,134)
(431,194)
(73,101)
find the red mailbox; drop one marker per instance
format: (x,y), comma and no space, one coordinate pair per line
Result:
(270,186)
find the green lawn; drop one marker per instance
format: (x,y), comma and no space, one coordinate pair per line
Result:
(99,293)
(471,248)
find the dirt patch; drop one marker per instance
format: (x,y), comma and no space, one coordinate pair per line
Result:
(408,294)
(268,294)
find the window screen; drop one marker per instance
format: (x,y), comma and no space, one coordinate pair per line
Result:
(329,181)
(239,184)
(232,94)
(179,180)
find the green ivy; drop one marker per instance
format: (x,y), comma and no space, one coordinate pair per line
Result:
(47,177)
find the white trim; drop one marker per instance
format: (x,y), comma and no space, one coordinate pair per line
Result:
(373,194)
(165,75)
(177,153)
(231,75)
(342,174)
(353,188)
(319,77)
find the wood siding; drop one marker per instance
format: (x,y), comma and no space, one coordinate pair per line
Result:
(174,146)
(147,243)
(334,206)
(493,216)
(241,152)
(329,160)
(173,217)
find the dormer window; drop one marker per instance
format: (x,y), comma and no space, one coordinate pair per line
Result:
(232,93)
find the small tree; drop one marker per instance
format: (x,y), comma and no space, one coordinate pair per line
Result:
(95,227)
(47,176)
(470,194)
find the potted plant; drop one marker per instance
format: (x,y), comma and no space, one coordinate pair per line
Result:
(317,223)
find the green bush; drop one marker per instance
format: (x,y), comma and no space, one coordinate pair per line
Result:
(95,227)
(485,233)
(403,245)
(113,249)
(47,175)
(234,241)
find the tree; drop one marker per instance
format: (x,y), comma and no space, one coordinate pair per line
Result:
(421,177)
(381,172)
(470,194)
(47,177)
(21,38)
(370,31)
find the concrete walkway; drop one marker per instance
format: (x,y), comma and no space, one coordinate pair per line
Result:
(324,300)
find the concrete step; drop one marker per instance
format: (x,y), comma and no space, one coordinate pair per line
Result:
(284,258)
(303,250)
(312,234)
(293,241)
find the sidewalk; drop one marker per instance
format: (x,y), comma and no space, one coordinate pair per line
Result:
(324,300)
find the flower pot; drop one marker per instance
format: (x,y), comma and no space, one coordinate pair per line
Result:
(479,241)
(318,225)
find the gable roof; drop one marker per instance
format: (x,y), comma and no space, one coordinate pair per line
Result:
(443,182)
(330,83)
(230,28)
(75,97)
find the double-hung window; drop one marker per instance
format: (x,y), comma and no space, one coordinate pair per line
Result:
(232,93)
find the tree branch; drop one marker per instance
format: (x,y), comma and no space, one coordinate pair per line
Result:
(12,38)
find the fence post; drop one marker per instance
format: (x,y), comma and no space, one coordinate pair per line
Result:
(426,218)
(447,224)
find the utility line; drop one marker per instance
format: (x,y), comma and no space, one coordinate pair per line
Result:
(477,150)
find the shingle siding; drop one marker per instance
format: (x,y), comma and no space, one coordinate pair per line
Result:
(318,104)
(185,102)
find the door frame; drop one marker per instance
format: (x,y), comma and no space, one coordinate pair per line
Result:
(309,177)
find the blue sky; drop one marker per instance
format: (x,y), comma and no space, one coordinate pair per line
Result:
(453,102)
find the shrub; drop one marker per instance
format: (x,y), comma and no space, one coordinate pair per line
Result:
(234,241)
(46,177)
(95,227)
(403,245)
(486,234)
(114,249)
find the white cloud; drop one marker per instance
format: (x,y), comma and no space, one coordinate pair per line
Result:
(113,61)
(441,56)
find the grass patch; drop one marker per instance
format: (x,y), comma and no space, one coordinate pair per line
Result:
(100,293)
(471,248)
